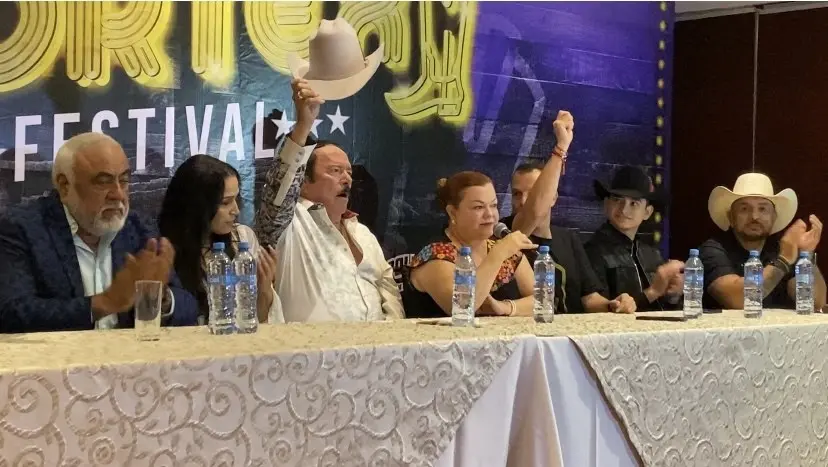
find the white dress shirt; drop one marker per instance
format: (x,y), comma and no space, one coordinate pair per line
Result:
(317,277)
(95,267)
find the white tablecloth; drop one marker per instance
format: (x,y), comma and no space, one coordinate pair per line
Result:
(513,422)
(408,394)
(738,396)
(558,415)
(249,400)
(589,434)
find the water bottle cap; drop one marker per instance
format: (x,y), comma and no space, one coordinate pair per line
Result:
(804,254)
(218,246)
(543,249)
(754,253)
(244,246)
(465,251)
(694,252)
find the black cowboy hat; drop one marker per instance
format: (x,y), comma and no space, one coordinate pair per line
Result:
(628,181)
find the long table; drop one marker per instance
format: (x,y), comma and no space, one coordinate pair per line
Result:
(585,390)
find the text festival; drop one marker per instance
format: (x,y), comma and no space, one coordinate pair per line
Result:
(198,135)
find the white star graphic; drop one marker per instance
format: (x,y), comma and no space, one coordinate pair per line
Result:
(314,130)
(283,125)
(338,121)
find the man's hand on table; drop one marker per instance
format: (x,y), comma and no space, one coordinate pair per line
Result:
(624,303)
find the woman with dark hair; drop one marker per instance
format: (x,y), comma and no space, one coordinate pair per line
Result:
(505,281)
(201,208)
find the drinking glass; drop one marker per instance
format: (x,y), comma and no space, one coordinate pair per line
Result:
(148,295)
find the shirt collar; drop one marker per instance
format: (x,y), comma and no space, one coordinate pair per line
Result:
(309,205)
(770,249)
(610,231)
(73,224)
(73,228)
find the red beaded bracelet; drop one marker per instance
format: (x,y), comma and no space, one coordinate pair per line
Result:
(558,152)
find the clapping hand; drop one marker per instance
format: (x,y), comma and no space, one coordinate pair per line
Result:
(667,277)
(809,240)
(791,240)
(266,270)
(676,285)
(265,277)
(153,263)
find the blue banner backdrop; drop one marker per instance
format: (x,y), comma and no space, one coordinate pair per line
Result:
(463,85)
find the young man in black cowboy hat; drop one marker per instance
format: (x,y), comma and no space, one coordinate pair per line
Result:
(624,263)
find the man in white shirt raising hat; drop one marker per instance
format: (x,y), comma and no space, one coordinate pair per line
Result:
(751,217)
(331,267)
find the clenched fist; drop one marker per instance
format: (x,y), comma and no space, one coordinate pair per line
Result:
(306,101)
(564,126)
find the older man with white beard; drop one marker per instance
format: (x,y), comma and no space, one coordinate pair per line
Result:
(70,259)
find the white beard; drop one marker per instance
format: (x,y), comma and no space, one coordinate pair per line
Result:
(97,226)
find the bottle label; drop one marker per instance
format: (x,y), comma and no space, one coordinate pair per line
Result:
(546,279)
(756,278)
(248,279)
(231,279)
(805,279)
(463,279)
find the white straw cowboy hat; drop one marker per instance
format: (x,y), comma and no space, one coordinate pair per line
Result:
(336,68)
(752,185)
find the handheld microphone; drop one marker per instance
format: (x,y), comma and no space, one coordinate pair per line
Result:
(500,230)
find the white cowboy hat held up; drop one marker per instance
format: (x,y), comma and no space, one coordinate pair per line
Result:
(752,185)
(336,68)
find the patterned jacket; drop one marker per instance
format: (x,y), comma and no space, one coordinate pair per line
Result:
(41,288)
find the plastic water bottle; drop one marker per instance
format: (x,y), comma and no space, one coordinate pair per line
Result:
(244,264)
(465,280)
(693,285)
(804,284)
(544,307)
(221,291)
(754,282)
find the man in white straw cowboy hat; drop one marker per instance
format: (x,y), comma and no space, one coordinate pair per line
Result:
(751,216)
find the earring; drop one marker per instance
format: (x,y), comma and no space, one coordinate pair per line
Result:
(453,221)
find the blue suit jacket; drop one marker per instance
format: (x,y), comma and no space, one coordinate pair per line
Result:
(40,281)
